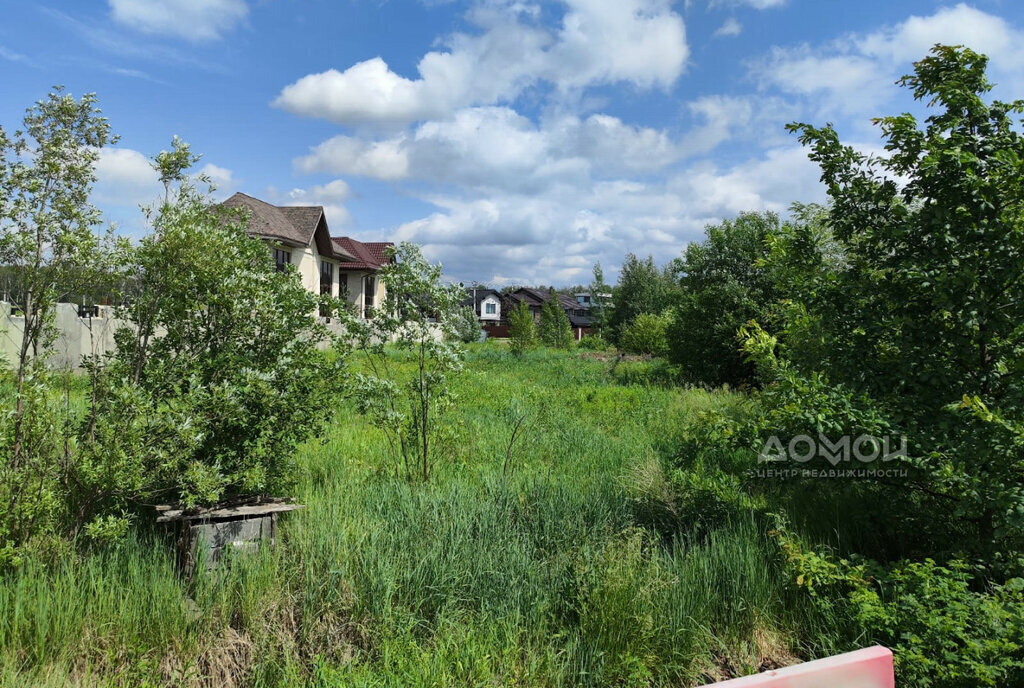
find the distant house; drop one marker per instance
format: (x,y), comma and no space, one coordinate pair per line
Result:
(578,313)
(298,235)
(486,303)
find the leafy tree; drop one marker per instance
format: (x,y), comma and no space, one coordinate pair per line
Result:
(554,329)
(642,288)
(925,315)
(213,406)
(171,165)
(49,248)
(724,285)
(418,318)
(522,329)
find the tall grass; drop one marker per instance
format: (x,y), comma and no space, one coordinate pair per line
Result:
(546,575)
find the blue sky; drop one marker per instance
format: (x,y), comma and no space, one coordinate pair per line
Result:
(517,142)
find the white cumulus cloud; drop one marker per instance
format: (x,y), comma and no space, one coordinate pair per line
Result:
(642,42)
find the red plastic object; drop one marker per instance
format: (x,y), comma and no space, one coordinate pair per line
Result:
(867,668)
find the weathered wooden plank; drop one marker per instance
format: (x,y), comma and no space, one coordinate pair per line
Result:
(243,511)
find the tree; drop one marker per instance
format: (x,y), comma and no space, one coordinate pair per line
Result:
(215,404)
(48,248)
(600,301)
(522,329)
(724,284)
(642,288)
(923,314)
(418,317)
(935,262)
(554,329)
(171,165)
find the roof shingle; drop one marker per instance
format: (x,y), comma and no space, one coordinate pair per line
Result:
(304,225)
(366,255)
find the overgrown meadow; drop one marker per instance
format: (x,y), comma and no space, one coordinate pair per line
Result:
(563,561)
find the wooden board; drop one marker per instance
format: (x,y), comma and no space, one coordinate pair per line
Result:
(241,511)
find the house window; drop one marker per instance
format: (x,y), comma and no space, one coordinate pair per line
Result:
(326,277)
(326,280)
(342,285)
(368,294)
(282,258)
(490,308)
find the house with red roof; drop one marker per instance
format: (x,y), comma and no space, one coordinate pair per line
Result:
(342,267)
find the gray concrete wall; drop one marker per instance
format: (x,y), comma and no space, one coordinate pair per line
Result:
(76,337)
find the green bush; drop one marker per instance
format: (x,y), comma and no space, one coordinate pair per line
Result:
(220,376)
(942,629)
(465,326)
(646,334)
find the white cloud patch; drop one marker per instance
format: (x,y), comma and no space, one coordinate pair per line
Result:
(126,180)
(730,27)
(331,196)
(192,20)
(349,155)
(495,147)
(8,54)
(855,74)
(555,236)
(642,42)
(125,177)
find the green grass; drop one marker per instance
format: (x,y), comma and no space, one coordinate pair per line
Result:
(550,574)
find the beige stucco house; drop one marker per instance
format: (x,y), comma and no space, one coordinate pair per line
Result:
(298,235)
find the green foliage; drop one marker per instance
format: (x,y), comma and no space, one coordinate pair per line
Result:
(522,329)
(220,376)
(419,316)
(646,334)
(943,631)
(171,165)
(554,329)
(48,247)
(592,342)
(601,304)
(465,325)
(642,288)
(724,285)
(924,309)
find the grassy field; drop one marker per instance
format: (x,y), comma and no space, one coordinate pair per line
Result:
(570,564)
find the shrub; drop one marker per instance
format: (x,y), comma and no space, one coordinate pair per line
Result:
(465,325)
(418,319)
(943,630)
(592,342)
(220,376)
(646,334)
